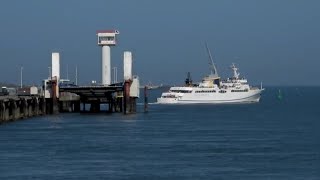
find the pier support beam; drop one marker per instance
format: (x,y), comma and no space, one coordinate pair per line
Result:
(42,106)
(76,106)
(15,110)
(29,108)
(6,114)
(35,107)
(52,102)
(83,107)
(2,111)
(145,99)
(95,107)
(25,108)
(126,96)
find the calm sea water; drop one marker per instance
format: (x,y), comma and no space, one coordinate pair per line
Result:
(274,139)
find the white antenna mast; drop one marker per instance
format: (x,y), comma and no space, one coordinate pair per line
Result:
(213,68)
(67,71)
(76,75)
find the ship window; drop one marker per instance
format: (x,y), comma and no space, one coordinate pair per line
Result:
(203,91)
(181,91)
(168,96)
(244,90)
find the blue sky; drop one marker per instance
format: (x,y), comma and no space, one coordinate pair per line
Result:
(276,42)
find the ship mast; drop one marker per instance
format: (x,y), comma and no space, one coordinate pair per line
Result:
(213,68)
(235,73)
(188,80)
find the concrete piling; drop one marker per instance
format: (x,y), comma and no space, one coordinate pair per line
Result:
(19,107)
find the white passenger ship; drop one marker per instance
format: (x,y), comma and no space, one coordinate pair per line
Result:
(213,90)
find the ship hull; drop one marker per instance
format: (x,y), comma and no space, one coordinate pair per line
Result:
(252,96)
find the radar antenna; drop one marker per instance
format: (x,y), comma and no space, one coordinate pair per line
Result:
(235,73)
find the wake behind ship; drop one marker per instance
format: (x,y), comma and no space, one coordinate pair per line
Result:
(213,90)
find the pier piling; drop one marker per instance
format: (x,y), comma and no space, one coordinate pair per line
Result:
(19,107)
(145,99)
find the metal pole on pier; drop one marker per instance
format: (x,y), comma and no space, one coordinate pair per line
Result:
(21,76)
(116,74)
(50,74)
(115,78)
(76,75)
(145,99)
(67,71)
